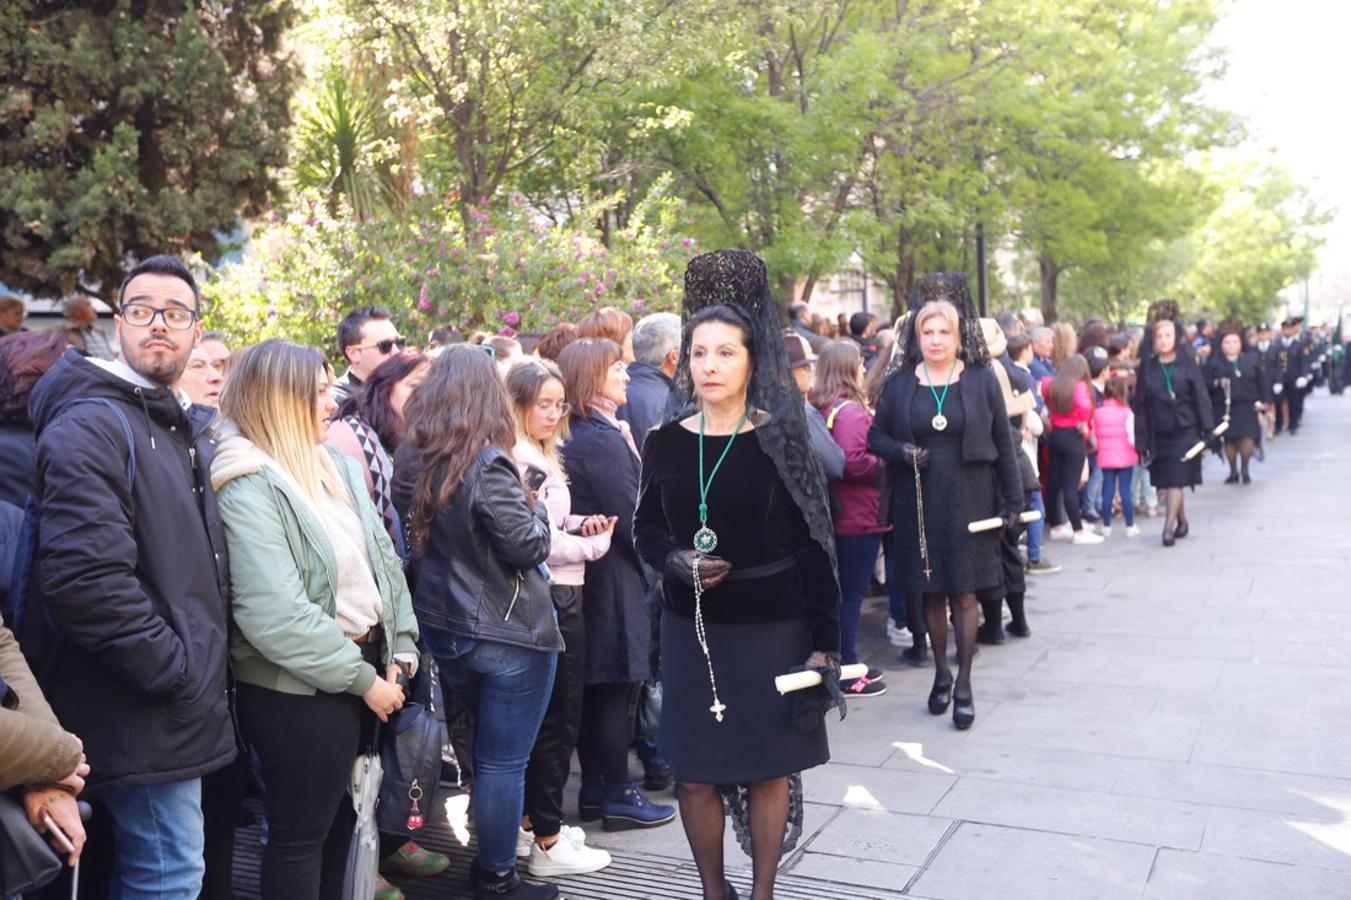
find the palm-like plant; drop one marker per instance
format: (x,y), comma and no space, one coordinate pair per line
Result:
(347,148)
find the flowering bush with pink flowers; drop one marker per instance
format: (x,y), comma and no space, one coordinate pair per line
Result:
(507,271)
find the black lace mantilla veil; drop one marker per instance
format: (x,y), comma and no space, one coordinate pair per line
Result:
(954,288)
(739,279)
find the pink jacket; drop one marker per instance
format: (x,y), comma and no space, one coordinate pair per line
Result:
(1082,410)
(568,553)
(856,494)
(1115,426)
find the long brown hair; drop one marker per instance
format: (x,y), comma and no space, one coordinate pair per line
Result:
(585,364)
(1072,370)
(1063,342)
(837,374)
(461,408)
(607,322)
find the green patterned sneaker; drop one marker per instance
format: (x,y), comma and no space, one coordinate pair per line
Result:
(386,891)
(419,862)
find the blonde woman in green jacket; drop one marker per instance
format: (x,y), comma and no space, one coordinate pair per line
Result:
(322,620)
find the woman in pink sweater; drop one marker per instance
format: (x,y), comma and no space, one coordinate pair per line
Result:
(537,395)
(1114,424)
(1069,400)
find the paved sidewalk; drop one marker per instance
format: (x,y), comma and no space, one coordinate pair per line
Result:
(1178,726)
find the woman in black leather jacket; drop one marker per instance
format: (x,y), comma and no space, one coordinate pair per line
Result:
(480,591)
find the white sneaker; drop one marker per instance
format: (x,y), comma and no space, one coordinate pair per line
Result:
(526,839)
(1132,531)
(1061,532)
(1105,530)
(1087,537)
(566,857)
(896,635)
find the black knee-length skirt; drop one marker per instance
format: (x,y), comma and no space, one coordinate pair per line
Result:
(757,738)
(1167,469)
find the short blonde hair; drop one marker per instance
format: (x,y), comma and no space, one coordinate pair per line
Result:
(937,308)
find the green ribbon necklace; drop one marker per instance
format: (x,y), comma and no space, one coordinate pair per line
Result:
(939,421)
(705,539)
(1168,378)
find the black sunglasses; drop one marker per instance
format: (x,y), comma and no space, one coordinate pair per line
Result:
(386,346)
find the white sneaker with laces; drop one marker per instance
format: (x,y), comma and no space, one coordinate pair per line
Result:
(1087,537)
(1132,531)
(1105,530)
(566,857)
(526,839)
(1061,532)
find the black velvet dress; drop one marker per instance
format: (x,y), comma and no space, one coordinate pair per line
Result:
(1248,386)
(759,623)
(1173,435)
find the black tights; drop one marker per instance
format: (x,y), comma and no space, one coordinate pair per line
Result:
(702,815)
(965,613)
(1242,447)
(1174,512)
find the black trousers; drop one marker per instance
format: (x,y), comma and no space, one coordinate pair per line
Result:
(551,759)
(306,746)
(608,712)
(1068,453)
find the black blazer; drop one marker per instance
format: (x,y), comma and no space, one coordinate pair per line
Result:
(1191,401)
(987,437)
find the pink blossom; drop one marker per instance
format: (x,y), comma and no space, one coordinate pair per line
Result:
(507,331)
(687,243)
(639,304)
(424,302)
(511,318)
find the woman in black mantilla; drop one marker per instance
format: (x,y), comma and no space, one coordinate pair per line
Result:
(1239,389)
(942,426)
(731,472)
(1172,413)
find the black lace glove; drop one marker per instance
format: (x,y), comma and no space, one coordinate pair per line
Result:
(915,457)
(712,569)
(811,705)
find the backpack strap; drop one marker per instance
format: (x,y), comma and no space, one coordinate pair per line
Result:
(835,411)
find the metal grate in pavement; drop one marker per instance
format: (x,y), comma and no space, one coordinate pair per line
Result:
(632,876)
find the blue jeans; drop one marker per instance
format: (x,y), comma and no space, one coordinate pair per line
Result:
(1036,529)
(1110,479)
(1092,490)
(506,689)
(160,838)
(857,555)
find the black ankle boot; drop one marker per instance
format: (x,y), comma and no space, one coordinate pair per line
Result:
(990,633)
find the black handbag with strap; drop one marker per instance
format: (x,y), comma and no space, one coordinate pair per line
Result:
(410,751)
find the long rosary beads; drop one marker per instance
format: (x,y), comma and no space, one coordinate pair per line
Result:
(718,706)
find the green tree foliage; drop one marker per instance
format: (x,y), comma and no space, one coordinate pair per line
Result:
(128,129)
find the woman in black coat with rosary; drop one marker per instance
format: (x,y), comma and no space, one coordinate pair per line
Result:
(1172,415)
(942,426)
(1239,390)
(732,508)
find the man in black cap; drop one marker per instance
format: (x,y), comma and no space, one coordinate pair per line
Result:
(1290,374)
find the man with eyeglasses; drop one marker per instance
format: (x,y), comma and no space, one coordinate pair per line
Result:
(128,608)
(366,338)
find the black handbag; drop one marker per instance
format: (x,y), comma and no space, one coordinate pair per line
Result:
(27,862)
(410,751)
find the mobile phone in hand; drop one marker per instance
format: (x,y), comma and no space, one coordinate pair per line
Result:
(534,478)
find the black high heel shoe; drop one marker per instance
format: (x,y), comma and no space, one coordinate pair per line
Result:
(963,712)
(1182,529)
(1169,539)
(729,891)
(939,698)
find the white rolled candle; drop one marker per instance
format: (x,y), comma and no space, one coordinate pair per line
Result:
(1221,428)
(800,681)
(994,522)
(1194,452)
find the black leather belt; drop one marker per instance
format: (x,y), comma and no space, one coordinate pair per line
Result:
(768,569)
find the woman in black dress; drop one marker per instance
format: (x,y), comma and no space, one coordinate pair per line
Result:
(732,508)
(1239,389)
(1172,413)
(942,426)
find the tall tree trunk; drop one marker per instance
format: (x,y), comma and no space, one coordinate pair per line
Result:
(1050,275)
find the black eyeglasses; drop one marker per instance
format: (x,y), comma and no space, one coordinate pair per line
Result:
(141,316)
(386,346)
